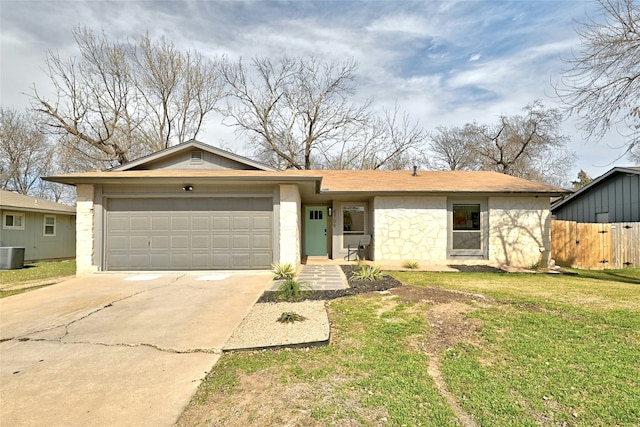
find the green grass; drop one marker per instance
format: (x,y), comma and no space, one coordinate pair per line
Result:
(368,373)
(567,357)
(548,350)
(36,272)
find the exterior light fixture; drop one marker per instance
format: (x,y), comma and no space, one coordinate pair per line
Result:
(330,211)
(188,188)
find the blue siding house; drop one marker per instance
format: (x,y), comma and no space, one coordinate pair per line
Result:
(610,198)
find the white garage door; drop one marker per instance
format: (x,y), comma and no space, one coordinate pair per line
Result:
(189,234)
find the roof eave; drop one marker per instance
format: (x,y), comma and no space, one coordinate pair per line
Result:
(443,192)
(75,180)
(24,209)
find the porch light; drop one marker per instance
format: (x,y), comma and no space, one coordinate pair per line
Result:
(330,211)
(188,188)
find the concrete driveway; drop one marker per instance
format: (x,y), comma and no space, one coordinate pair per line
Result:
(116,349)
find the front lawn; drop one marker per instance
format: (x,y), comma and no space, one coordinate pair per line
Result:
(39,274)
(450,349)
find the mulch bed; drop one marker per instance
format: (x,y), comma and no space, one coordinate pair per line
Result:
(477,269)
(355,287)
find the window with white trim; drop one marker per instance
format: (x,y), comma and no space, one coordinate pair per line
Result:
(13,221)
(49,225)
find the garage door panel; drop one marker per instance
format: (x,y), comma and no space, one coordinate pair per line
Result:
(160,243)
(174,234)
(241,260)
(200,223)
(261,241)
(159,261)
(118,241)
(221,260)
(262,258)
(160,223)
(241,223)
(200,260)
(200,242)
(241,242)
(180,242)
(138,242)
(262,222)
(119,223)
(222,222)
(180,224)
(221,242)
(139,224)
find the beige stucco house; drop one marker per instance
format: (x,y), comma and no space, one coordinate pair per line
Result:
(193,206)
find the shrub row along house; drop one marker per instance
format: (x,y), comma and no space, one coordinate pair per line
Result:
(193,206)
(46,230)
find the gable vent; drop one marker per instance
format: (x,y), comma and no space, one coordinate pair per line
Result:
(196,157)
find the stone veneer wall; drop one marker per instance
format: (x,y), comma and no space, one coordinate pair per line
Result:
(519,230)
(410,228)
(85,225)
(289,224)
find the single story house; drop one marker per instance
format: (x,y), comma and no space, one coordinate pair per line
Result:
(47,230)
(612,197)
(193,206)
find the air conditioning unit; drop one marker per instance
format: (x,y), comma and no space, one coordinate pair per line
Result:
(11,258)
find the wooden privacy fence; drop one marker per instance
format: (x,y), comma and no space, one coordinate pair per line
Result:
(595,246)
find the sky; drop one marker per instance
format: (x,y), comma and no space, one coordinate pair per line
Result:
(445,63)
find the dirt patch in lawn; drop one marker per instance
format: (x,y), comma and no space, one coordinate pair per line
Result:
(450,325)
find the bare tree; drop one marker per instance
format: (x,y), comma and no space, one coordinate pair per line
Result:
(529,146)
(510,146)
(117,101)
(453,148)
(601,84)
(392,141)
(298,114)
(25,153)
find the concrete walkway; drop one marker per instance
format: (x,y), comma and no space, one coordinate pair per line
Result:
(320,277)
(114,349)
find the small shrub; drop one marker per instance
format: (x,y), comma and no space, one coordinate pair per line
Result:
(411,265)
(290,289)
(367,272)
(283,271)
(290,317)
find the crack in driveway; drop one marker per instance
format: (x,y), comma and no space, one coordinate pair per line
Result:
(60,339)
(156,347)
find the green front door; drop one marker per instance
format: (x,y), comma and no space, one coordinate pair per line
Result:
(315,230)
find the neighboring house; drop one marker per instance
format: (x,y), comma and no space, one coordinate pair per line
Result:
(196,207)
(46,230)
(612,197)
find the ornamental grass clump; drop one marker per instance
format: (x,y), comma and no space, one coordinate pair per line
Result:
(367,272)
(290,289)
(411,265)
(283,271)
(290,317)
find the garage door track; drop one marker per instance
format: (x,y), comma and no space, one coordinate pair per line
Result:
(116,349)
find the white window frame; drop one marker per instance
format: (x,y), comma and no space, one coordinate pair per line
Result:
(45,225)
(14,215)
